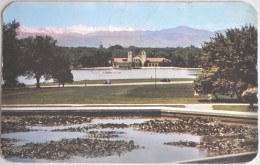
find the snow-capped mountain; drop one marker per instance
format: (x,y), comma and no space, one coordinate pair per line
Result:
(82,35)
(77,29)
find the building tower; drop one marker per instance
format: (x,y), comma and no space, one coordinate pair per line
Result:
(143,54)
(130,56)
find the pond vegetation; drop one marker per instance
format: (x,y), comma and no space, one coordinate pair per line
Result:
(117,137)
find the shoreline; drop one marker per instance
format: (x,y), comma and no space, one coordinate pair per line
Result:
(161,110)
(111,68)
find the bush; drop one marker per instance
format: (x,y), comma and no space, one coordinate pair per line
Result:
(250,96)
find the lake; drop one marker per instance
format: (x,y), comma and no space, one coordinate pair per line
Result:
(144,73)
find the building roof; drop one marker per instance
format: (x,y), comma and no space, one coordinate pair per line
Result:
(158,59)
(121,60)
(166,59)
(153,60)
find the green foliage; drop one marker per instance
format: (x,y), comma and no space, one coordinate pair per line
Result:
(115,47)
(250,96)
(239,108)
(40,58)
(119,53)
(61,69)
(229,63)
(63,76)
(95,57)
(87,57)
(12,59)
(164,94)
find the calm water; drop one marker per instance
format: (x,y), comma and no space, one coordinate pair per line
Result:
(103,74)
(154,152)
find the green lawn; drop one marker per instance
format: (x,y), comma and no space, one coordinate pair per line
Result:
(147,94)
(114,81)
(232,108)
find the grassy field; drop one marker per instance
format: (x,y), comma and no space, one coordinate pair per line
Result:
(114,81)
(147,94)
(232,108)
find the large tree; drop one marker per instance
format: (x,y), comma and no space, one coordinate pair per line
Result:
(63,76)
(40,59)
(61,72)
(12,58)
(229,62)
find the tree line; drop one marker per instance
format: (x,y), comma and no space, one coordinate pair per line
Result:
(99,57)
(84,57)
(39,57)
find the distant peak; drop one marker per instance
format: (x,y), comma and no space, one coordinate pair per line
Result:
(183,27)
(186,28)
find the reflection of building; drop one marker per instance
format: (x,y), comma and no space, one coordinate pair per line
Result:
(139,61)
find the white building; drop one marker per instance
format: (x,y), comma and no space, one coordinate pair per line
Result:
(139,61)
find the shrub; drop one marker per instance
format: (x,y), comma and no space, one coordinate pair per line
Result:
(250,96)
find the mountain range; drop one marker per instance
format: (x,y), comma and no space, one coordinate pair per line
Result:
(81,35)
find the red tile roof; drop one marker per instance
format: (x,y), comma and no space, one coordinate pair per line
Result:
(121,60)
(157,59)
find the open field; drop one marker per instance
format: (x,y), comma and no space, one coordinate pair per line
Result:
(232,108)
(114,81)
(165,94)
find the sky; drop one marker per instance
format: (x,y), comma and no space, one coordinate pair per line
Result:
(210,16)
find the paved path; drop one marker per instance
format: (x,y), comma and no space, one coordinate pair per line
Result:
(191,106)
(117,84)
(225,159)
(124,108)
(199,106)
